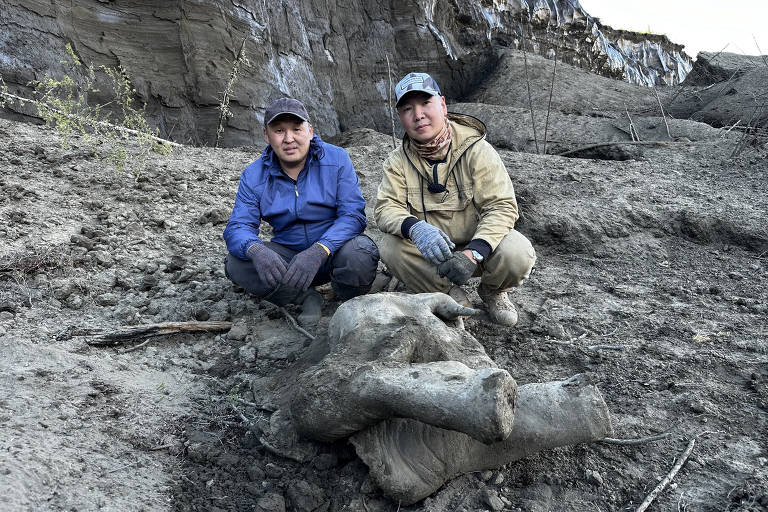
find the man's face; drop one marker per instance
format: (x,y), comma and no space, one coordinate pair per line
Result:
(289,137)
(422,115)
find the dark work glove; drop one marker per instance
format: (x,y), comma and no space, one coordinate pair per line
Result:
(432,242)
(458,269)
(304,266)
(267,263)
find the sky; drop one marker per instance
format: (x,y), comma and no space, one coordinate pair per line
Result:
(700,25)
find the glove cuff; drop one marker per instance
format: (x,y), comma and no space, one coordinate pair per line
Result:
(254,249)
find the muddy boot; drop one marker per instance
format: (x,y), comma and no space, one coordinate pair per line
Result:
(500,308)
(458,294)
(311,308)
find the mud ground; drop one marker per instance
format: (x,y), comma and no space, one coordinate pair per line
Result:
(652,277)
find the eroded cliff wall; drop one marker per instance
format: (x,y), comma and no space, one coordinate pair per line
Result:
(331,54)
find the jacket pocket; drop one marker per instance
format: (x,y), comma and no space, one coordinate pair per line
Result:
(451,200)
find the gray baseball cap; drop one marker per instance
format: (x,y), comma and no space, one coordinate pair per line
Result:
(285,106)
(416,82)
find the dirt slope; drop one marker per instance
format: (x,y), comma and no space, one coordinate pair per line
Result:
(664,256)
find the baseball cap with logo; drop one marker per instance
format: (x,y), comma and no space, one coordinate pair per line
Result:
(413,82)
(285,106)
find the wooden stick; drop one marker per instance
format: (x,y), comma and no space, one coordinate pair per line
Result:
(389,105)
(136,347)
(528,83)
(632,130)
(664,117)
(295,324)
(633,442)
(549,105)
(667,479)
(133,332)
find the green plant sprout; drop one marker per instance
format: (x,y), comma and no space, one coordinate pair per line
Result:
(63,104)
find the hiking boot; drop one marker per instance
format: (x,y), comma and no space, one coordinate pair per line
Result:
(458,294)
(500,308)
(311,308)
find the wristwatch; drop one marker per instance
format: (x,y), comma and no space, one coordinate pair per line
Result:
(478,257)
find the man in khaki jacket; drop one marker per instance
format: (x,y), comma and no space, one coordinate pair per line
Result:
(447,189)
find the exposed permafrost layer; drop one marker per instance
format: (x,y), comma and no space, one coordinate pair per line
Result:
(645,59)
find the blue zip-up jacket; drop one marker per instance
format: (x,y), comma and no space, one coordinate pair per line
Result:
(323,205)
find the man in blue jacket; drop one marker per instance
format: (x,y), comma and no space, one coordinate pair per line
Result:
(307,190)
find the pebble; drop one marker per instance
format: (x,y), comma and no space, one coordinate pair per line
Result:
(305,497)
(106,299)
(491,498)
(698,407)
(271,503)
(486,475)
(273,470)
(498,479)
(593,477)
(238,332)
(255,473)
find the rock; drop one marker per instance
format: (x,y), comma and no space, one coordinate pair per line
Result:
(215,216)
(148,282)
(304,497)
(177,262)
(6,316)
(247,353)
(486,475)
(491,498)
(134,229)
(82,241)
(7,306)
(273,470)
(593,477)
(498,479)
(75,302)
(201,314)
(238,332)
(106,299)
(698,407)
(255,473)
(271,503)
(102,258)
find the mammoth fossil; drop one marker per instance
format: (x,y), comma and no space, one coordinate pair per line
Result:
(423,402)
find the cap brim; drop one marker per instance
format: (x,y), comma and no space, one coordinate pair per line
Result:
(294,114)
(431,92)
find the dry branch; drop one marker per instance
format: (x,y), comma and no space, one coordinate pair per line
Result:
(295,324)
(667,479)
(528,84)
(134,332)
(664,117)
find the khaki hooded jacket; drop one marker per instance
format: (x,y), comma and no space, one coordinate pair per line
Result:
(479,201)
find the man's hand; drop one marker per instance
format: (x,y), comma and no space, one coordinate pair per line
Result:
(269,265)
(458,269)
(432,242)
(304,266)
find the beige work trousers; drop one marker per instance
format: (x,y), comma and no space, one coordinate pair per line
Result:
(507,267)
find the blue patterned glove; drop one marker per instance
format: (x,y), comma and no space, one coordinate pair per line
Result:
(432,242)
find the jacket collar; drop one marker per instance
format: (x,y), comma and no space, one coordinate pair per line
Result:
(271,162)
(466,131)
